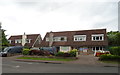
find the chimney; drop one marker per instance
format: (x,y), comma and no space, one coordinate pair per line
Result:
(50,39)
(24,37)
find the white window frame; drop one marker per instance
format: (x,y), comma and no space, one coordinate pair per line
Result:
(47,39)
(18,41)
(10,41)
(65,48)
(99,48)
(78,37)
(98,35)
(29,41)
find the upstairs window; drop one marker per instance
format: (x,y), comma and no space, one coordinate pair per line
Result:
(10,41)
(18,41)
(98,37)
(47,39)
(80,38)
(62,38)
(28,40)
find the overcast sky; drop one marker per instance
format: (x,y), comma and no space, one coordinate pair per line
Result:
(41,16)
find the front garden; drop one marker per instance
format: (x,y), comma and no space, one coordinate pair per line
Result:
(46,55)
(114,57)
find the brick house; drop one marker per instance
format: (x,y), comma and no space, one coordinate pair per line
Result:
(31,40)
(83,40)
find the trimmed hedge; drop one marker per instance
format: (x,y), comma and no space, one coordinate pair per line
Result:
(59,54)
(109,57)
(26,51)
(72,53)
(115,50)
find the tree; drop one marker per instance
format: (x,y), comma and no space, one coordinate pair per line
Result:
(3,40)
(113,38)
(118,39)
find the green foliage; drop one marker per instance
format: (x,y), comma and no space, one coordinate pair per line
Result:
(113,38)
(3,40)
(109,57)
(73,53)
(25,51)
(115,50)
(59,54)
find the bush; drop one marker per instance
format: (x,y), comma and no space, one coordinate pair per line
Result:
(73,53)
(115,50)
(109,57)
(66,55)
(59,54)
(26,51)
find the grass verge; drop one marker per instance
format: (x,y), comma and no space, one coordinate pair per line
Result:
(112,62)
(48,59)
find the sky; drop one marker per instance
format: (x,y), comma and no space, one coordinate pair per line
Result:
(41,16)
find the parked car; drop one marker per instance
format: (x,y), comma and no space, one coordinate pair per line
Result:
(11,50)
(41,51)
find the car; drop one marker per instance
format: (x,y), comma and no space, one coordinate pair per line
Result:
(11,50)
(39,51)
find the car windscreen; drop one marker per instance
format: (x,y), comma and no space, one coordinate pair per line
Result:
(6,49)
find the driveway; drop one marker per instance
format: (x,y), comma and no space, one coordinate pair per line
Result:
(90,60)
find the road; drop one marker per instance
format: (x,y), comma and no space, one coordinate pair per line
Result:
(9,65)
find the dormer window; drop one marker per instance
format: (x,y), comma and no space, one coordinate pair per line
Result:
(28,40)
(10,41)
(18,41)
(79,37)
(97,37)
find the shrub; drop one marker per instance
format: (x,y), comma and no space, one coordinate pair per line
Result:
(73,53)
(25,51)
(59,54)
(66,55)
(109,57)
(115,50)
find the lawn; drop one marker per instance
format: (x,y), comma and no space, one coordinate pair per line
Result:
(49,59)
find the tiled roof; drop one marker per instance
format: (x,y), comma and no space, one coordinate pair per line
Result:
(70,34)
(33,37)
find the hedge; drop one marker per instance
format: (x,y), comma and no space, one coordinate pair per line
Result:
(72,53)
(115,50)
(109,57)
(25,51)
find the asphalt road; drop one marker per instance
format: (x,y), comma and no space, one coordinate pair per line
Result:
(11,66)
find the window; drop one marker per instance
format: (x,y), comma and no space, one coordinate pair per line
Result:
(65,48)
(62,38)
(80,38)
(9,41)
(28,40)
(98,37)
(18,41)
(97,48)
(47,39)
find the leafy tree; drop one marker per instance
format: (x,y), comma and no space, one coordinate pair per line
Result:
(113,38)
(118,39)
(3,40)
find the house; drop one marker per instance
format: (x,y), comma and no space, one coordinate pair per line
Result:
(31,40)
(83,40)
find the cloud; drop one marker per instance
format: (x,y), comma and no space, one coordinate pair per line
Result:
(41,16)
